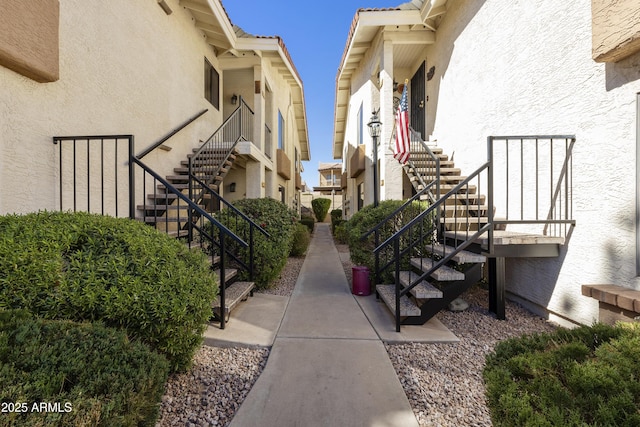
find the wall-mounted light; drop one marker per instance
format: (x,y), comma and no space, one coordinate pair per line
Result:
(232,187)
(234,99)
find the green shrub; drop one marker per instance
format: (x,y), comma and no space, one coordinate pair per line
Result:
(580,377)
(320,208)
(95,374)
(341,234)
(270,253)
(309,222)
(336,215)
(301,240)
(369,217)
(79,266)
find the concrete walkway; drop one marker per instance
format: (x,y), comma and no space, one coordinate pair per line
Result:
(328,365)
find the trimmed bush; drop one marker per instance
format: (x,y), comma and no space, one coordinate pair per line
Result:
(336,215)
(309,222)
(301,239)
(95,375)
(271,253)
(341,234)
(320,208)
(586,376)
(369,217)
(79,266)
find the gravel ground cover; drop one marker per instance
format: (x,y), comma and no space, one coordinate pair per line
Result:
(211,392)
(443,382)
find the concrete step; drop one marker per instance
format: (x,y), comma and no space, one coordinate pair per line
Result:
(423,290)
(462,257)
(388,295)
(442,274)
(429,171)
(234,294)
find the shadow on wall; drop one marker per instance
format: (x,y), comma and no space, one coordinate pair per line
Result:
(620,73)
(535,279)
(461,13)
(621,257)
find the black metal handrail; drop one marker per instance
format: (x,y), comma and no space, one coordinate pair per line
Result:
(237,216)
(423,236)
(170,134)
(82,153)
(184,225)
(212,156)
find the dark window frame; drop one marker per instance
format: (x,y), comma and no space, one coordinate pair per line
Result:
(211,84)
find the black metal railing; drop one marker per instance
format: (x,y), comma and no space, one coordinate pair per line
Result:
(425,164)
(173,213)
(210,160)
(533,182)
(435,235)
(171,134)
(241,225)
(97,167)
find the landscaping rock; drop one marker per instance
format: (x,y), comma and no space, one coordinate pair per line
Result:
(458,304)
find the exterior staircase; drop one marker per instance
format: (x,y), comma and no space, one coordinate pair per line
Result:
(183,206)
(438,254)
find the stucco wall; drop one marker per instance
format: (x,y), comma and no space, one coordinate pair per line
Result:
(125,67)
(29,38)
(525,67)
(616,29)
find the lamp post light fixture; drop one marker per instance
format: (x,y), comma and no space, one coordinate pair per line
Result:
(374,131)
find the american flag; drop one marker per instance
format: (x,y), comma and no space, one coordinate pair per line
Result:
(403,141)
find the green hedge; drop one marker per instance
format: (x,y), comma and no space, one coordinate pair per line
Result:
(301,239)
(271,253)
(309,222)
(79,266)
(369,217)
(92,375)
(588,376)
(320,208)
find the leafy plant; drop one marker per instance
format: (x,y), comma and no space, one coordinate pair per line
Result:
(79,266)
(94,374)
(586,376)
(270,253)
(309,222)
(369,217)
(320,208)
(301,239)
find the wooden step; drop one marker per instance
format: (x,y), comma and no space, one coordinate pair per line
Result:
(423,290)
(462,257)
(388,295)
(442,274)
(464,220)
(234,294)
(230,273)
(163,207)
(429,171)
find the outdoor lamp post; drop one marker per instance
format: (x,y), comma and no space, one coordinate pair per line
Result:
(374,131)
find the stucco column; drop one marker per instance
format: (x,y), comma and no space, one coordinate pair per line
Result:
(391,172)
(255,180)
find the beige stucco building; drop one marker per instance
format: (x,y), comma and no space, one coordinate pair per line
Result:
(498,67)
(141,69)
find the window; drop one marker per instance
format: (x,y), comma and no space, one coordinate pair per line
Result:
(282,194)
(280,131)
(360,126)
(211,84)
(296,160)
(360,196)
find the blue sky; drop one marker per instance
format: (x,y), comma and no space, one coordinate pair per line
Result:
(315,34)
